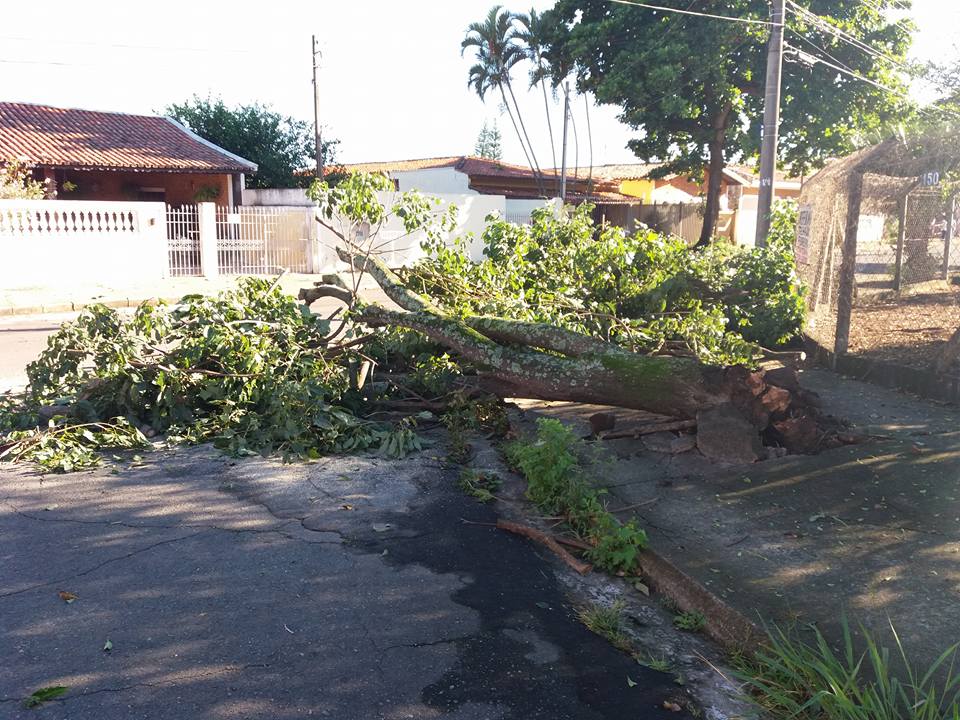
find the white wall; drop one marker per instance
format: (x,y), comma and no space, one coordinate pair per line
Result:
(398,248)
(434,181)
(44,242)
(289,197)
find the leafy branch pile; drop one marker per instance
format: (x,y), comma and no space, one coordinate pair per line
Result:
(646,291)
(251,370)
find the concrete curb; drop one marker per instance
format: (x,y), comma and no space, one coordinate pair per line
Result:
(724,625)
(77,306)
(920,381)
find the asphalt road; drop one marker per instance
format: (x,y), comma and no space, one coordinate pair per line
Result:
(348,588)
(22,338)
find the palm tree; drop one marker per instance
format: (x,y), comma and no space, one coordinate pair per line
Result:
(533,34)
(495,40)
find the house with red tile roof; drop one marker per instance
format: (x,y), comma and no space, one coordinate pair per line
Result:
(91,155)
(469,174)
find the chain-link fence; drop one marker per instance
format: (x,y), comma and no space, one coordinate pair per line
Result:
(878,245)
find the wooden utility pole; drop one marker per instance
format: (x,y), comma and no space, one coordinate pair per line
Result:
(563,156)
(771,123)
(315,53)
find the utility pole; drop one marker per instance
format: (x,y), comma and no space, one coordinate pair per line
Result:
(563,156)
(316,109)
(771,123)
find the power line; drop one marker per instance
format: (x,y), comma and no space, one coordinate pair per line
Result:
(845,37)
(728,18)
(845,70)
(123,46)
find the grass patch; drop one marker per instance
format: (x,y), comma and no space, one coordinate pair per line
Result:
(559,485)
(806,679)
(607,622)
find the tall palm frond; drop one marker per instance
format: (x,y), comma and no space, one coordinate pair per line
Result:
(497,51)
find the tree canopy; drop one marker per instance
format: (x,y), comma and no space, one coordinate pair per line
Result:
(488,142)
(693,86)
(281,146)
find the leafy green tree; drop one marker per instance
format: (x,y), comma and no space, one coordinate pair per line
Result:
(693,86)
(281,146)
(488,143)
(497,52)
(17,183)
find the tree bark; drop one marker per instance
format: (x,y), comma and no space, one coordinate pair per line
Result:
(536,360)
(715,176)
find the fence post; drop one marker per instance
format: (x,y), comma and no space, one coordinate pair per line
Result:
(153,224)
(951,207)
(315,247)
(848,265)
(207,221)
(901,238)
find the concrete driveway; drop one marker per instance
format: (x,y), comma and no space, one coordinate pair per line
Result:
(347,588)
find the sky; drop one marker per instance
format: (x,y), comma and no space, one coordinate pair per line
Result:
(392,80)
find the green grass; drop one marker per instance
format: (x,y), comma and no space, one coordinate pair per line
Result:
(806,679)
(607,622)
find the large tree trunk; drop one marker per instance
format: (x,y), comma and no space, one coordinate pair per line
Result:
(714,177)
(536,360)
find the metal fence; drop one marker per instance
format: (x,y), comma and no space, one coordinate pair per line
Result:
(263,240)
(877,249)
(183,240)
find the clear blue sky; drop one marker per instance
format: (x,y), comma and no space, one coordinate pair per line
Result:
(393,81)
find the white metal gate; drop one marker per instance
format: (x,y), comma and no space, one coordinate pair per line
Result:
(183,240)
(263,240)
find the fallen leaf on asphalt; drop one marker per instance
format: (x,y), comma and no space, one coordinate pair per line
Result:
(346,506)
(107,646)
(641,587)
(44,694)
(671,706)
(67,596)
(630,683)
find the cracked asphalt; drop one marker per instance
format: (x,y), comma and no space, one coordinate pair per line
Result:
(347,588)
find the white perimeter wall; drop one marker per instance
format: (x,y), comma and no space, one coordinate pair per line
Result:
(399,248)
(444,181)
(46,242)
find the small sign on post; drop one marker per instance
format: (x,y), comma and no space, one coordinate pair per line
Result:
(801,250)
(930,179)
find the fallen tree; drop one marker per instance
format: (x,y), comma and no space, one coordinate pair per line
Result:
(523,358)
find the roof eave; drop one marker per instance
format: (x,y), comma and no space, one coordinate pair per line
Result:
(245,165)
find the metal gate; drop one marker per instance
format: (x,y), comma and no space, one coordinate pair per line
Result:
(263,240)
(183,240)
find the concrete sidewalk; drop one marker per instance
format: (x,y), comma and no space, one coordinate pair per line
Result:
(60,299)
(871,530)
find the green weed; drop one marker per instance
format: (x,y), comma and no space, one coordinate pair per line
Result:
(791,677)
(480,485)
(690,621)
(607,622)
(558,484)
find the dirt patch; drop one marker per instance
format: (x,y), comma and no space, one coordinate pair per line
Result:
(909,330)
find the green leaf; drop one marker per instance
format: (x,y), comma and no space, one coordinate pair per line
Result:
(44,695)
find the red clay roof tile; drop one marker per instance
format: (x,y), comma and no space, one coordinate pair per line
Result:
(48,136)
